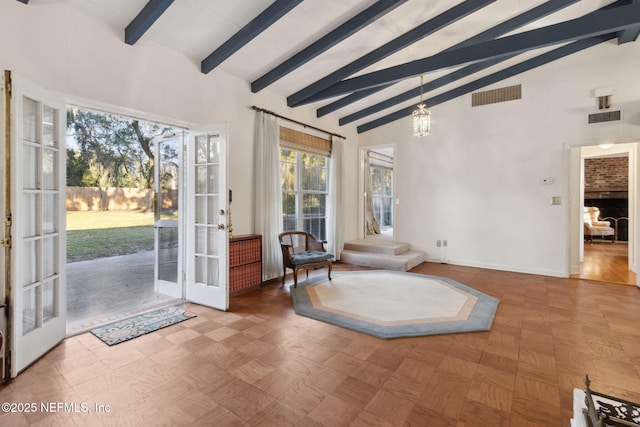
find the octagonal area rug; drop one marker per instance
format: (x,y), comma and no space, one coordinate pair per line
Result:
(391,304)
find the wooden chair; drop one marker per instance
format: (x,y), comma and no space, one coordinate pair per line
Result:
(302,251)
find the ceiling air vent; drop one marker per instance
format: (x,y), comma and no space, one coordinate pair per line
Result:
(609,116)
(493,96)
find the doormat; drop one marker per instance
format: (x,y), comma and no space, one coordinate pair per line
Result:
(128,329)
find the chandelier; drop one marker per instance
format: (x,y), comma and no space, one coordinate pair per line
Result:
(421,117)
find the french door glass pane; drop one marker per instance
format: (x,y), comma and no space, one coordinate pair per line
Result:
(212,209)
(29,167)
(49,290)
(49,213)
(201,149)
(201,179)
(31,207)
(168,254)
(201,269)
(213,179)
(29,310)
(48,126)
(201,212)
(212,242)
(30,269)
(49,175)
(214,149)
(201,240)
(212,272)
(49,256)
(29,119)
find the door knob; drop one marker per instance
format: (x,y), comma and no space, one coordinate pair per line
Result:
(222,212)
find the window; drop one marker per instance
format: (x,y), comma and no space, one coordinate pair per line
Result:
(303,178)
(382,195)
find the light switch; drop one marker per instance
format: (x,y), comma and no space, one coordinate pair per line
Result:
(555,200)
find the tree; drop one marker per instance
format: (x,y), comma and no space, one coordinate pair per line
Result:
(110,150)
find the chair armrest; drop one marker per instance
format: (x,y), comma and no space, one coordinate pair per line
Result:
(286,252)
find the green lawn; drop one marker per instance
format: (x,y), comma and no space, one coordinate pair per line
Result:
(91,220)
(98,234)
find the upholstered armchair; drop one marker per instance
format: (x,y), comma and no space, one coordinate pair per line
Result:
(594,226)
(302,251)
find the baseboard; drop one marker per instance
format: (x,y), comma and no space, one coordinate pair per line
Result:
(539,272)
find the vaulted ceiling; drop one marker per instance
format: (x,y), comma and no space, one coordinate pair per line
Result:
(361,59)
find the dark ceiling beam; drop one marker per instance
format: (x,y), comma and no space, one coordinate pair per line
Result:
(277,10)
(421,31)
(413,93)
(490,34)
(24,1)
(522,67)
(630,34)
(345,30)
(437,83)
(598,23)
(145,19)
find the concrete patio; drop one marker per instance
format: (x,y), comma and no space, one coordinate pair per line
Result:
(105,290)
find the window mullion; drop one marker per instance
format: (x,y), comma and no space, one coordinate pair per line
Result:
(299,193)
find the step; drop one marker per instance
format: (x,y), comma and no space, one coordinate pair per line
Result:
(377,246)
(402,262)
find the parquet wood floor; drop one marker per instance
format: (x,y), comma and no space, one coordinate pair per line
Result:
(262,365)
(606,262)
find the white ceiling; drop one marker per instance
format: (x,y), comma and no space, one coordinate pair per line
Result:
(197,27)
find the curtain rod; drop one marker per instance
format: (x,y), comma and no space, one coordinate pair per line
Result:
(295,121)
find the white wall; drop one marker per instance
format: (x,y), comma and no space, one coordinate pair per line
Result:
(475,181)
(66,51)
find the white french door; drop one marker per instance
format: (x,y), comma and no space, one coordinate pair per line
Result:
(38,253)
(169,185)
(207,225)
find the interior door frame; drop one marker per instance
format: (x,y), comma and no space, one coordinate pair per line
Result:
(576,191)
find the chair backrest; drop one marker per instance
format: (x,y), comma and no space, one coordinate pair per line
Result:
(587,215)
(298,240)
(592,215)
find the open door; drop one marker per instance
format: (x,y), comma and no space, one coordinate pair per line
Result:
(168,228)
(37,218)
(207,206)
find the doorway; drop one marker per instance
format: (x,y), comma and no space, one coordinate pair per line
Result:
(607,182)
(123,216)
(35,208)
(377,205)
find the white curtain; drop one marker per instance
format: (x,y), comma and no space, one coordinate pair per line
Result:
(371,223)
(268,206)
(335,220)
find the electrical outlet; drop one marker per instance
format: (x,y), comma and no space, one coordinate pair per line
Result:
(444,243)
(439,243)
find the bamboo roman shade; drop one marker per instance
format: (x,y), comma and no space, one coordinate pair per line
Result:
(299,141)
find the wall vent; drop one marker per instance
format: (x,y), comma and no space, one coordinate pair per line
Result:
(609,116)
(503,94)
